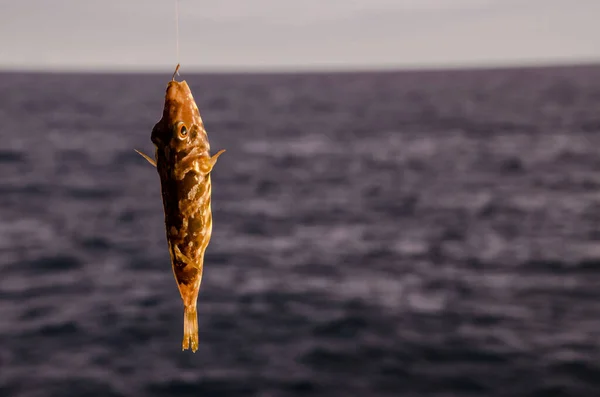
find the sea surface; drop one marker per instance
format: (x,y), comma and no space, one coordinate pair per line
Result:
(414,234)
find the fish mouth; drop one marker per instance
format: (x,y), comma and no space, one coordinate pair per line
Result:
(179,104)
(178,92)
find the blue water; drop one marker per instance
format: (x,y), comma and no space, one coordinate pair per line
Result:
(395,234)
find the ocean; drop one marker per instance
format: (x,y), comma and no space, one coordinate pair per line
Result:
(418,233)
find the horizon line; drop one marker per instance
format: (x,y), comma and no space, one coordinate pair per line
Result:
(316,69)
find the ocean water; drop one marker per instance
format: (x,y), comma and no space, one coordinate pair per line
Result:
(393,234)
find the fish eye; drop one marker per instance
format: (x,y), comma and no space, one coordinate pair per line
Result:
(182,131)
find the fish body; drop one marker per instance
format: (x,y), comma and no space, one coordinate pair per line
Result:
(184,165)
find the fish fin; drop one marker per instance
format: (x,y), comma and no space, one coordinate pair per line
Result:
(190,328)
(214,158)
(208,163)
(146,157)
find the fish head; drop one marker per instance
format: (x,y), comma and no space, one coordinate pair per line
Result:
(181,126)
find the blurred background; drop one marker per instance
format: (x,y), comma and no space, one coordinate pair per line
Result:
(409,204)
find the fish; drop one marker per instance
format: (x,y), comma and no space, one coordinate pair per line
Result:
(184,164)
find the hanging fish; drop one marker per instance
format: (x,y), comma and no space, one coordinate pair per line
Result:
(184,165)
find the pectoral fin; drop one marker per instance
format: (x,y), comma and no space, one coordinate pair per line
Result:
(207,164)
(146,157)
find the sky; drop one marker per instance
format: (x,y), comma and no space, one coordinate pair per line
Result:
(272,35)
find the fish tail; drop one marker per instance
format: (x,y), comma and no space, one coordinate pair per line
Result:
(190,328)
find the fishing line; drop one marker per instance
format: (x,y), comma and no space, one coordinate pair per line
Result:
(177,29)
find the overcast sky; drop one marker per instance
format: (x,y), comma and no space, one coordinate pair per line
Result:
(303,34)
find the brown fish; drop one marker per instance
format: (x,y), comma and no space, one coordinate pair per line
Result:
(184,165)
